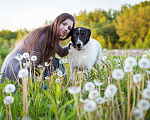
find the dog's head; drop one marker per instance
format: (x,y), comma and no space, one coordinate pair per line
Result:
(80,37)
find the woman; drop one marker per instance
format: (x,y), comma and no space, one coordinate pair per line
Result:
(43,43)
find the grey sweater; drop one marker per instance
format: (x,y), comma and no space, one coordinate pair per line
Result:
(11,65)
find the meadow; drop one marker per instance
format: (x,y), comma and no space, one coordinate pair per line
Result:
(118,91)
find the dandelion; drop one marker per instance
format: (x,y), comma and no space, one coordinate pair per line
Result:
(19,57)
(40,66)
(8,100)
(89,86)
(143,104)
(47,77)
(26,55)
(137,113)
(117,61)
(146,93)
(137,78)
(100,100)
(33,58)
(118,65)
(60,61)
(27,64)
(51,58)
(59,73)
(144,63)
(104,50)
(130,61)
(110,91)
(74,90)
(128,68)
(47,64)
(65,60)
(23,73)
(104,58)
(57,80)
(89,106)
(93,94)
(9,88)
(98,82)
(108,61)
(144,56)
(118,74)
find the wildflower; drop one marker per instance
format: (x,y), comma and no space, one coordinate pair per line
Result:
(61,61)
(47,64)
(23,73)
(100,100)
(137,78)
(65,60)
(19,57)
(84,101)
(51,58)
(59,73)
(47,77)
(104,50)
(118,74)
(144,56)
(98,82)
(118,65)
(110,91)
(57,80)
(137,113)
(117,61)
(130,61)
(40,66)
(108,61)
(104,58)
(146,93)
(93,94)
(143,104)
(74,90)
(144,63)
(9,88)
(26,55)
(33,58)
(128,68)
(8,100)
(89,86)
(89,106)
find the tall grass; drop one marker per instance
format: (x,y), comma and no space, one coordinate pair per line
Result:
(106,94)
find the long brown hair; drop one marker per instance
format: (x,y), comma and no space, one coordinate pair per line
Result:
(51,40)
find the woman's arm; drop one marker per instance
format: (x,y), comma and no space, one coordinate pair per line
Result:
(62,51)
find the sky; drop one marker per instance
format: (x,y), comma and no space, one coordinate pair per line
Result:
(31,14)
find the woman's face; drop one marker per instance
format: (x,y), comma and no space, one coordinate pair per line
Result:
(65,27)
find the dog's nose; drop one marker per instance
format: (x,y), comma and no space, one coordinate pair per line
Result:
(78,45)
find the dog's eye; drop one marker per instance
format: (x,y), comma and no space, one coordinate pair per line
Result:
(75,35)
(83,34)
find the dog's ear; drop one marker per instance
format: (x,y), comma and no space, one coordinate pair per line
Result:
(88,35)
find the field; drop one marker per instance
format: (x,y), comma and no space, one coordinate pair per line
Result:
(118,91)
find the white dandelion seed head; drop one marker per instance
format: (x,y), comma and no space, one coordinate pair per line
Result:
(46,64)
(74,89)
(98,82)
(27,64)
(26,55)
(8,100)
(104,50)
(51,58)
(144,63)
(9,88)
(65,60)
(118,74)
(128,68)
(117,61)
(100,100)
(108,61)
(130,61)
(144,56)
(89,86)
(110,91)
(23,73)
(137,113)
(60,61)
(47,77)
(19,57)
(59,73)
(57,80)
(143,104)
(104,58)
(118,65)
(137,78)
(89,106)
(146,93)
(93,94)
(33,58)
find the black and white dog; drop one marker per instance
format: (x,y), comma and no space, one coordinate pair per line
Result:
(84,52)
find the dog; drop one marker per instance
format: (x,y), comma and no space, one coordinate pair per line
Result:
(84,52)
